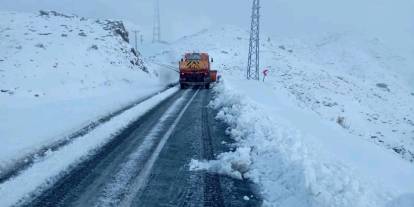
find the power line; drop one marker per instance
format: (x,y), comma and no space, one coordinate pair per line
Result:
(254,44)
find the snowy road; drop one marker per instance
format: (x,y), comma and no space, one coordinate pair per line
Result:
(147,164)
(28,160)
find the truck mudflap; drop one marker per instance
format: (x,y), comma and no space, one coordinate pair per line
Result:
(185,85)
(194,79)
(205,83)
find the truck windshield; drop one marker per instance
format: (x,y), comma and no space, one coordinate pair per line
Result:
(194,56)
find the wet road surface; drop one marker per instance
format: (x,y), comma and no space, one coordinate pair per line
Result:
(148,163)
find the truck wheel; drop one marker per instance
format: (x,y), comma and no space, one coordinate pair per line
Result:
(207,86)
(182,86)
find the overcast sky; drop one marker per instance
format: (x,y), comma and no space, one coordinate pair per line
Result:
(387,18)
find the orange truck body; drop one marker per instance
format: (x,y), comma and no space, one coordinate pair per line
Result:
(195,70)
(213,75)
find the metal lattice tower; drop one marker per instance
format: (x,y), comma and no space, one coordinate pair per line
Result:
(156,35)
(254,45)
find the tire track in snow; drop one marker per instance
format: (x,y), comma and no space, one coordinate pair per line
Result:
(125,178)
(212,189)
(142,178)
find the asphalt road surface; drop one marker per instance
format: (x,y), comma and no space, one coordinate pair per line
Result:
(148,163)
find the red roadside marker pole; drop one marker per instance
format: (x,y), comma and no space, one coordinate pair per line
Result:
(265,71)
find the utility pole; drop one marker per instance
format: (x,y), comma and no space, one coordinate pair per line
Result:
(254,44)
(156,36)
(136,39)
(142,39)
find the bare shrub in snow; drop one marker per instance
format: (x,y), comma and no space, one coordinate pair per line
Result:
(383,86)
(342,122)
(93,47)
(40,45)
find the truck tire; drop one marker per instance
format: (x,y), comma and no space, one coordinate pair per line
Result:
(182,86)
(207,86)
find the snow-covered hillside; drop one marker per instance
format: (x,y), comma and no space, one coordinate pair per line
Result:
(58,73)
(332,125)
(341,77)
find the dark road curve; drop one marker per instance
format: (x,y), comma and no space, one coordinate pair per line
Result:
(148,163)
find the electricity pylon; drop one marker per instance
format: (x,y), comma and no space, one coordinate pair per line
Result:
(254,45)
(136,39)
(156,35)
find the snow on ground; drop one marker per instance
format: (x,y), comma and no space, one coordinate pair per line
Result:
(347,78)
(332,125)
(58,73)
(299,159)
(49,169)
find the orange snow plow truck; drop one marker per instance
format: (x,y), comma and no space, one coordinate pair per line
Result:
(195,70)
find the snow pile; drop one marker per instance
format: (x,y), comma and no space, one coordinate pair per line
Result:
(235,164)
(300,160)
(60,72)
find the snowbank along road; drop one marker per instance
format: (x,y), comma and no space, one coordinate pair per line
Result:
(148,163)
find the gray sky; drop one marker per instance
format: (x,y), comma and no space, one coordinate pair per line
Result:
(387,18)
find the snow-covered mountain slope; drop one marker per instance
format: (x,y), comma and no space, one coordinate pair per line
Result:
(59,72)
(344,78)
(331,126)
